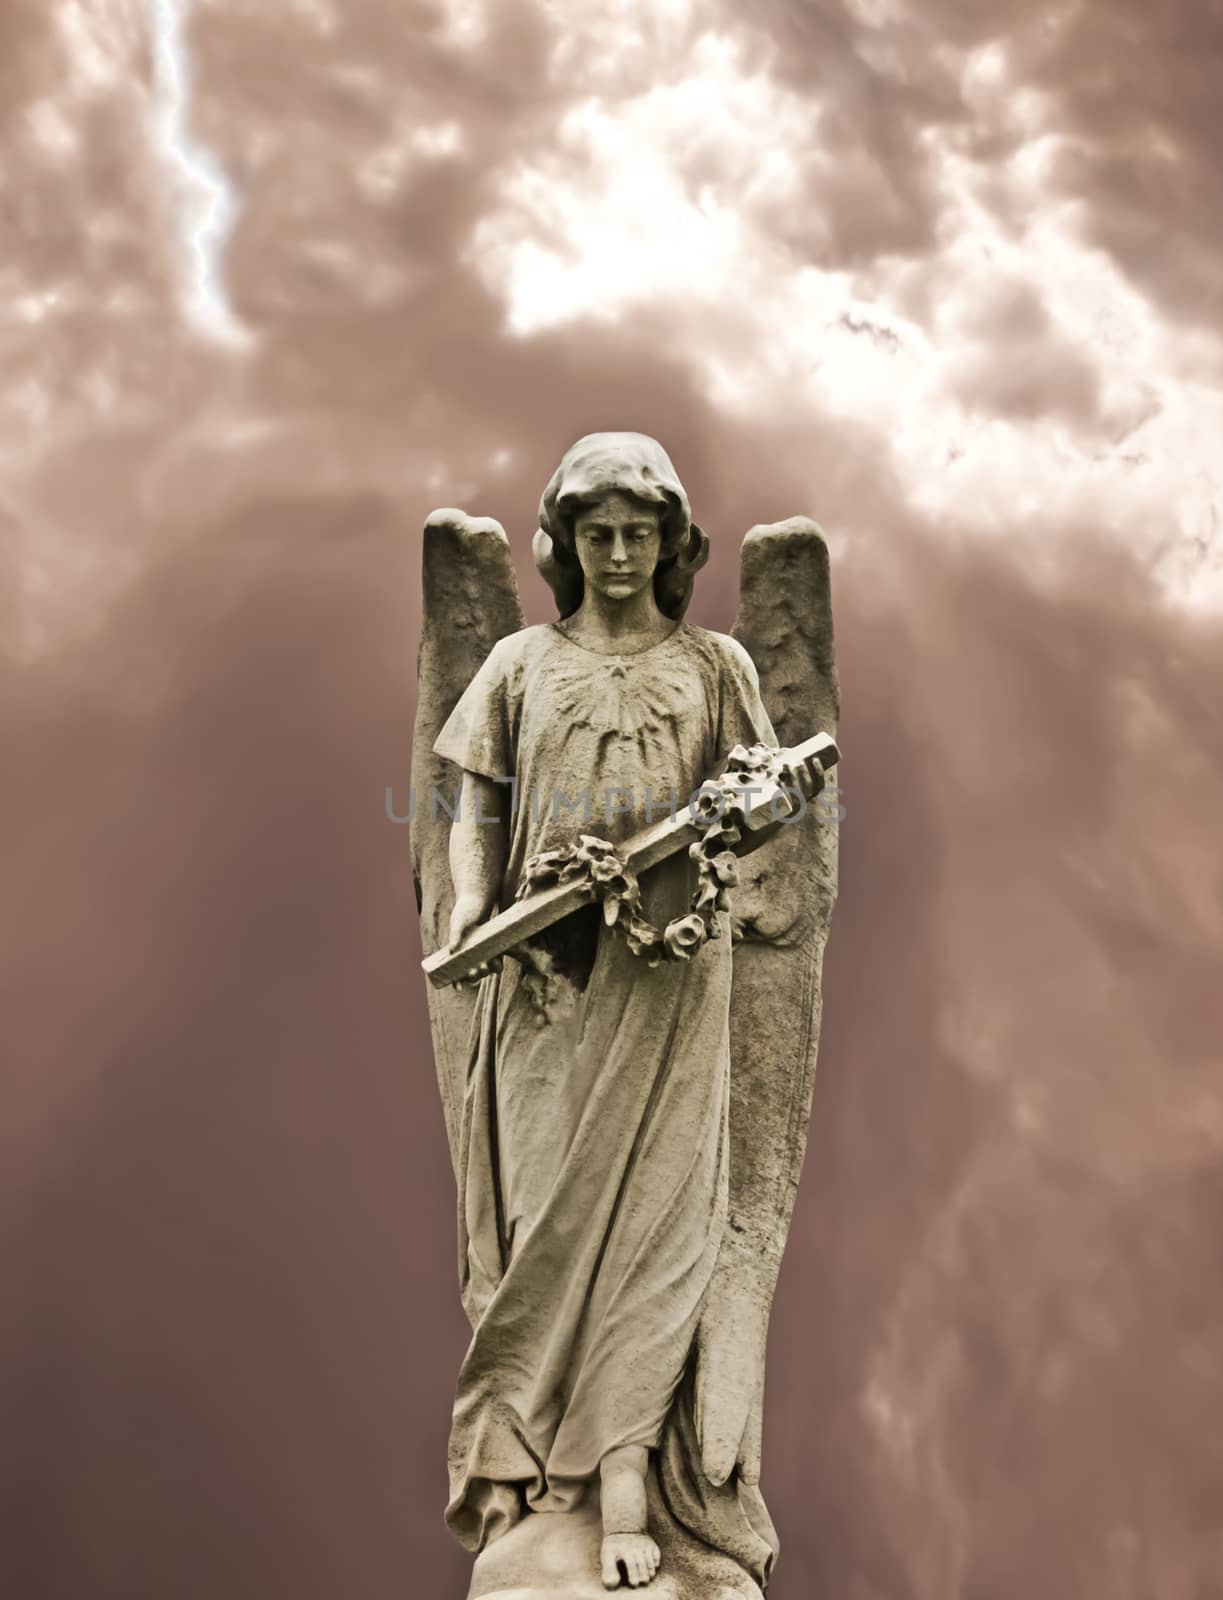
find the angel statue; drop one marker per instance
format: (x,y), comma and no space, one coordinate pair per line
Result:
(626,1075)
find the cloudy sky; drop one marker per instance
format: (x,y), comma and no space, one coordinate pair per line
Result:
(278,280)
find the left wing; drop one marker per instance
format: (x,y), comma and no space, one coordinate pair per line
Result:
(470,601)
(782,911)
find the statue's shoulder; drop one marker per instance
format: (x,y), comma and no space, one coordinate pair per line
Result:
(723,651)
(519,649)
(538,635)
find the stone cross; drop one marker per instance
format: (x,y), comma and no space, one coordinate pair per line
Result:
(803,768)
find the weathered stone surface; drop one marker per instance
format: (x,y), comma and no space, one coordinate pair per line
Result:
(754,797)
(783,910)
(618,1253)
(556,1557)
(470,600)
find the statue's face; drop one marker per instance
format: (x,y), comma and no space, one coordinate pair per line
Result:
(617,541)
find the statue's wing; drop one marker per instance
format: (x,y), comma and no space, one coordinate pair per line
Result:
(782,912)
(470,600)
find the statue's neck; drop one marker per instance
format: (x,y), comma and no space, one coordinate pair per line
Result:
(610,625)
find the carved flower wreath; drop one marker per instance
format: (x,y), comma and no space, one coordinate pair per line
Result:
(719,808)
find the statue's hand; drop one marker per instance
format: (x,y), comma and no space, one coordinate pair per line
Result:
(730,1375)
(469,911)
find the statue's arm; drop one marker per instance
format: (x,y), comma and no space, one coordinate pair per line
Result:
(479,850)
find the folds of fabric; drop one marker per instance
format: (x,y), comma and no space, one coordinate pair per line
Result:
(593,1158)
(594,1200)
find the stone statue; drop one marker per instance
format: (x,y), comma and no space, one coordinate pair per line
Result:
(626,1099)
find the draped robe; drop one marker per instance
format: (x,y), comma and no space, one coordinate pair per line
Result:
(594,1150)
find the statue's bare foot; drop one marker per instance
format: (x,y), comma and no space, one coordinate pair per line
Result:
(631,1558)
(629,1555)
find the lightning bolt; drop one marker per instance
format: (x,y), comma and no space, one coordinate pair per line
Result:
(209,205)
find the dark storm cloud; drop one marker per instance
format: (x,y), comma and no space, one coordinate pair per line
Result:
(1136,90)
(1129,90)
(238,1322)
(1017,363)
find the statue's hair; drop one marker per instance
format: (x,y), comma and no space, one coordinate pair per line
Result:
(631,464)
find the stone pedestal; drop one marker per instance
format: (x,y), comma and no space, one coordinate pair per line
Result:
(555,1556)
